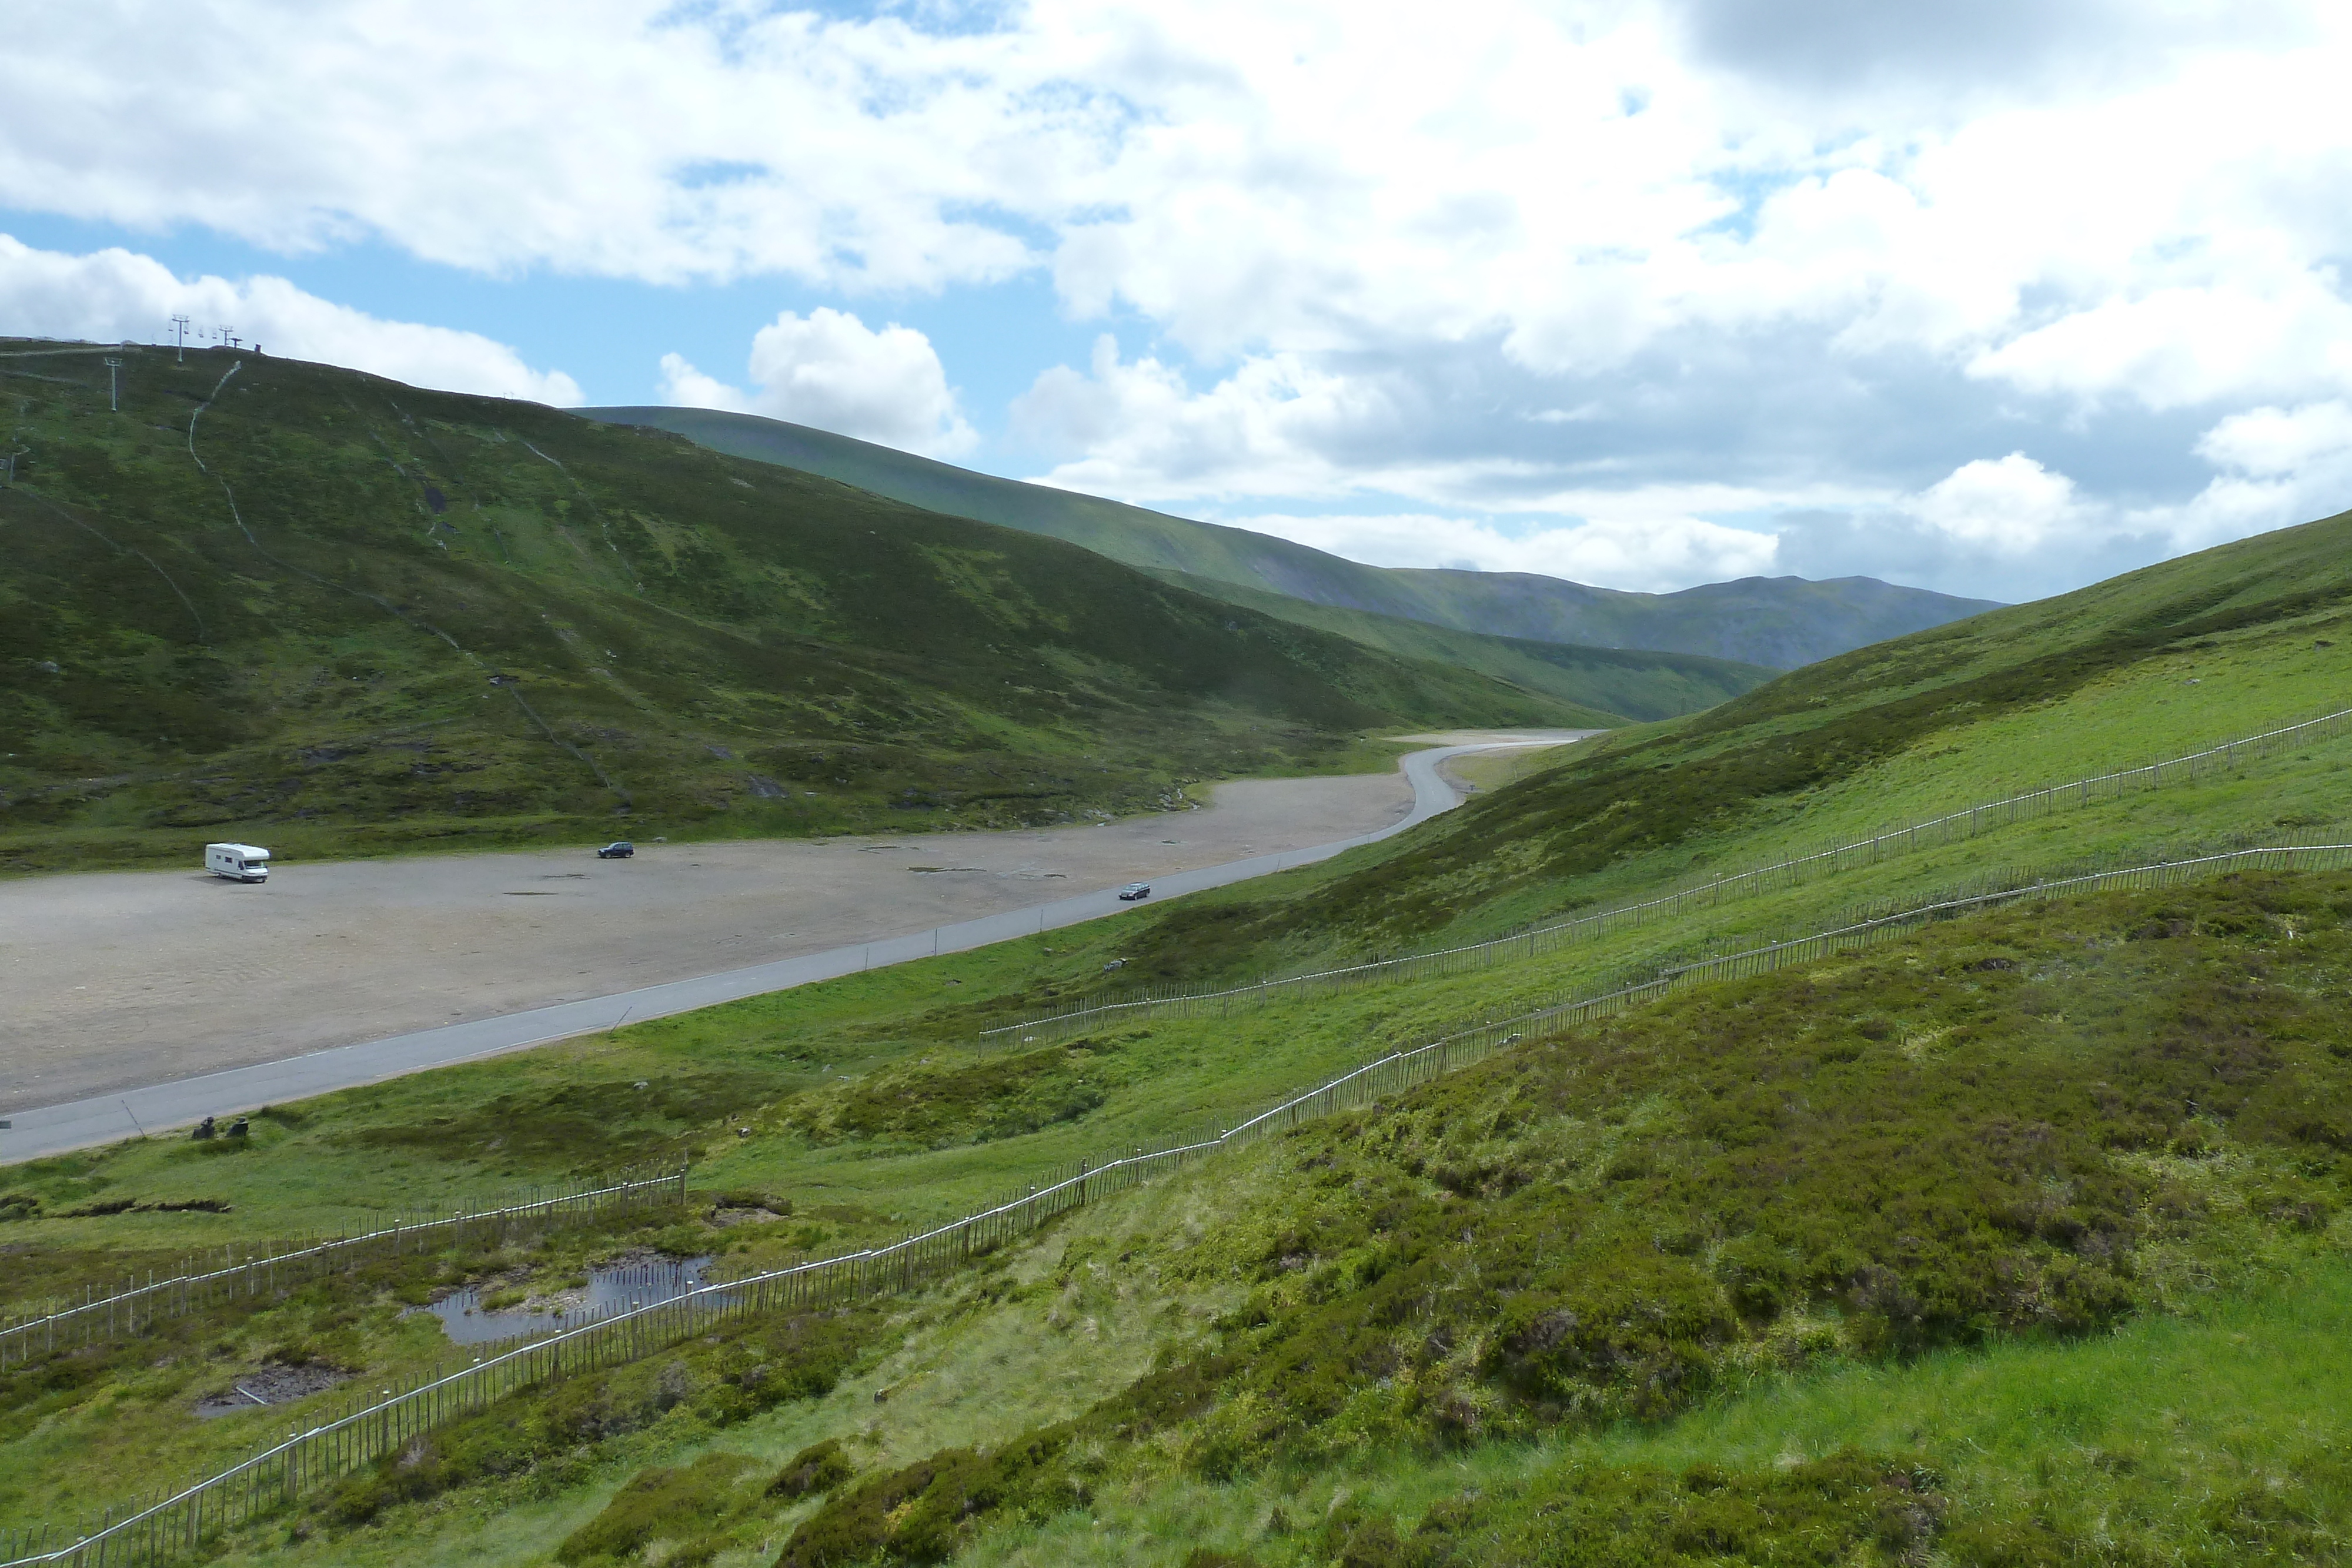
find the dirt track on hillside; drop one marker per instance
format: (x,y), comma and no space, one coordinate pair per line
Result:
(126,979)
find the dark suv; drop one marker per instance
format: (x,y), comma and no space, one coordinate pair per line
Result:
(619,850)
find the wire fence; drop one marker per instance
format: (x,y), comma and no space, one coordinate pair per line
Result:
(1870,929)
(360,1432)
(1212,1000)
(275,1270)
(185,1518)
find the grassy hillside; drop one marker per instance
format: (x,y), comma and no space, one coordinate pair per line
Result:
(1777,622)
(1632,682)
(2026,1238)
(287,601)
(1778,1193)
(2158,660)
(2032,1124)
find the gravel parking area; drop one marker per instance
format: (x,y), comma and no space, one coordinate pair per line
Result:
(126,978)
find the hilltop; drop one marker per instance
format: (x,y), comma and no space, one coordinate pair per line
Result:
(282,600)
(1773,623)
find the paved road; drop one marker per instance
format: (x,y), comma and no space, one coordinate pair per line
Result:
(55,1129)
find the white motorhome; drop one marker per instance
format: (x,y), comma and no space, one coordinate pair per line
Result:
(238,862)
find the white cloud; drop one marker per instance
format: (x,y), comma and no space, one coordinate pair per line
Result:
(2279,466)
(683,386)
(1297,178)
(618,137)
(1646,555)
(2276,441)
(2011,504)
(1146,435)
(111,295)
(1809,255)
(831,371)
(1279,425)
(2181,348)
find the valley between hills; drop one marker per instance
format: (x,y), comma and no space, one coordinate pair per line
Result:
(273,599)
(2020,1234)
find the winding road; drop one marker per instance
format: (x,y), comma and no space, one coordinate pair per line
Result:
(77,1123)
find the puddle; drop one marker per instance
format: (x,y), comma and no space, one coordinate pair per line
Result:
(274,1383)
(614,1289)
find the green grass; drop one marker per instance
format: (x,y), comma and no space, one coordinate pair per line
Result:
(2034,1125)
(1818,1169)
(383,618)
(802,1062)
(1904,1159)
(2015,699)
(2214,1436)
(780,1063)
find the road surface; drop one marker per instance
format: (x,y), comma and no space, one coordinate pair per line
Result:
(166,1099)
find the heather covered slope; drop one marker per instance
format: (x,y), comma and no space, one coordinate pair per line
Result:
(2026,1127)
(2022,1237)
(298,603)
(1778,622)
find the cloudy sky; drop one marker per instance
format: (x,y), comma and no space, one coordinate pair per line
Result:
(1995,297)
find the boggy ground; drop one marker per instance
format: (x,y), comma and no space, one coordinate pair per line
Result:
(131,978)
(2021,1240)
(2121,1223)
(2029,1127)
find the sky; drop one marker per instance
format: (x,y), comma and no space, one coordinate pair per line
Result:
(1996,297)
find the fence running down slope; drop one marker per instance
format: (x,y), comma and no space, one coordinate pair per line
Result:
(1217,1001)
(135,1306)
(150,1532)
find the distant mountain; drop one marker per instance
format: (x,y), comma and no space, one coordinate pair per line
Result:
(1636,683)
(1781,622)
(1778,622)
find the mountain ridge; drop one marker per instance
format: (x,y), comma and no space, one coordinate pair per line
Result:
(1641,684)
(1750,620)
(266,596)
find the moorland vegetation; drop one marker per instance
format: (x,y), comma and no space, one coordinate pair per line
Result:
(2019,1239)
(296,604)
(1775,623)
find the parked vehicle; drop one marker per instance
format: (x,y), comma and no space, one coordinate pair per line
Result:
(1135,890)
(238,862)
(619,850)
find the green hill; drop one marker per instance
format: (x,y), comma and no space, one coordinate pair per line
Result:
(2016,1238)
(1460,1329)
(1634,682)
(285,601)
(1778,623)
(2165,659)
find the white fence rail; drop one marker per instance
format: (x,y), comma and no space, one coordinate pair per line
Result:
(122,1313)
(1220,1001)
(185,1518)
